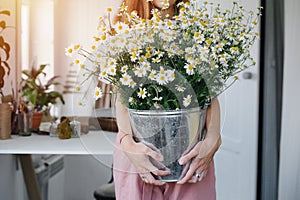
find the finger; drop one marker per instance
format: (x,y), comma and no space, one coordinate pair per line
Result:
(148,178)
(150,145)
(203,175)
(185,169)
(161,172)
(158,164)
(194,179)
(150,168)
(155,155)
(193,153)
(188,175)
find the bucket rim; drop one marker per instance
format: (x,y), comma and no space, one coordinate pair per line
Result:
(167,112)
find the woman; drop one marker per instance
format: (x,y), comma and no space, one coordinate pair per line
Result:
(134,174)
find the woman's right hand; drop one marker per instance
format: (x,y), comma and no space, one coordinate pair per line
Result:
(144,158)
(139,155)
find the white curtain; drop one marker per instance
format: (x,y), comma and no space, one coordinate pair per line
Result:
(289,175)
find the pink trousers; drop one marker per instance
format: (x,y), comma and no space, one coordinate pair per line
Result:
(129,185)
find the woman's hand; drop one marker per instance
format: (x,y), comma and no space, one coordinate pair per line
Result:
(201,157)
(140,155)
(144,157)
(203,152)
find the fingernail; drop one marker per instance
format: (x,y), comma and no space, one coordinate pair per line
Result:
(180,162)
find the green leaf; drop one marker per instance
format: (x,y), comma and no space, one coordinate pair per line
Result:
(40,70)
(33,97)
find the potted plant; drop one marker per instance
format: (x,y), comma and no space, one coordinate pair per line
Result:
(38,94)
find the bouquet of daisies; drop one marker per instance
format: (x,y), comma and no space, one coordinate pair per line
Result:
(170,63)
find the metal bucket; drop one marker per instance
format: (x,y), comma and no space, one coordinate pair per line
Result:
(172,133)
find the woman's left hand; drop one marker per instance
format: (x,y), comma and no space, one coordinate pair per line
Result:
(201,157)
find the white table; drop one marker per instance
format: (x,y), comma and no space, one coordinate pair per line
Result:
(95,142)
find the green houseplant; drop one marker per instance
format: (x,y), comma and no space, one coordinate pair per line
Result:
(38,94)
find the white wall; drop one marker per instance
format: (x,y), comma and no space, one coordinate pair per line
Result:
(75,22)
(289,178)
(41,34)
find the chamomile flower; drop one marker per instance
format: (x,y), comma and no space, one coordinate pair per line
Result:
(98,93)
(156,60)
(132,84)
(158,53)
(131,100)
(140,72)
(77,88)
(234,50)
(151,75)
(142,93)
(187,100)
(156,105)
(201,39)
(69,51)
(124,68)
(190,69)
(161,79)
(126,79)
(112,71)
(157,98)
(179,88)
(170,75)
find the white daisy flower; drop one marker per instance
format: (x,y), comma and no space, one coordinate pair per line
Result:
(133,57)
(156,60)
(131,100)
(142,93)
(161,79)
(234,50)
(140,72)
(157,98)
(190,69)
(180,88)
(72,49)
(152,75)
(159,53)
(126,79)
(98,93)
(124,68)
(156,105)
(170,75)
(187,100)
(132,84)
(112,71)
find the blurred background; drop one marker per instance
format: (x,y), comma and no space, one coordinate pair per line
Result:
(260,154)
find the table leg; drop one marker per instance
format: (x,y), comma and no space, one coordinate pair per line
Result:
(30,177)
